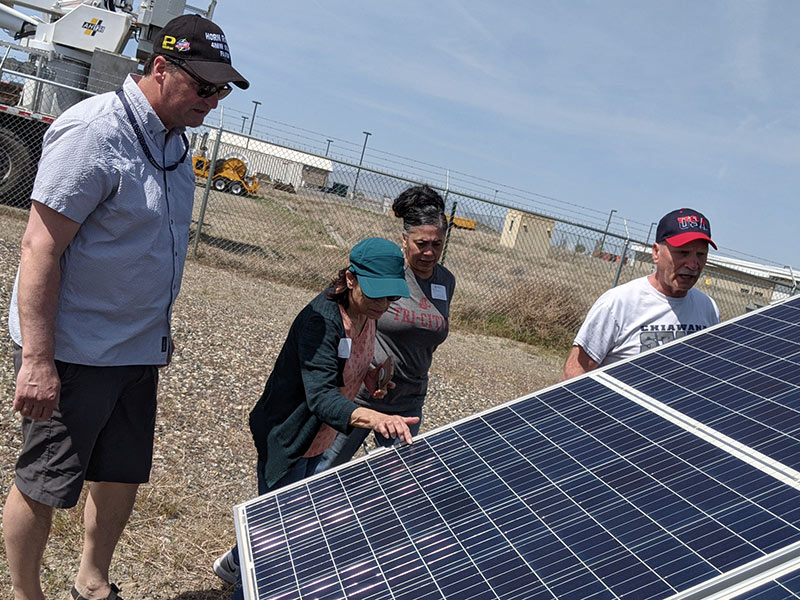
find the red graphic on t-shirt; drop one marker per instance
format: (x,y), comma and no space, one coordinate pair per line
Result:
(423,319)
(424,304)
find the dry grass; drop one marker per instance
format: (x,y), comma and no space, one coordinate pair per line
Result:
(228,327)
(299,238)
(541,315)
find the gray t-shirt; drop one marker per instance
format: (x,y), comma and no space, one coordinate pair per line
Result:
(409,332)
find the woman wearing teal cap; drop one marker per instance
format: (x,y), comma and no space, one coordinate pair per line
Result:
(322,365)
(413,328)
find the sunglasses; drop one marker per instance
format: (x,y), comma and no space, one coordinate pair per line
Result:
(206,89)
(392,298)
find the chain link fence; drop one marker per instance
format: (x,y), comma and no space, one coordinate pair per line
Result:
(292,215)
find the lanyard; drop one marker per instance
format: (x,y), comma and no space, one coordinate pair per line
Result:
(143,142)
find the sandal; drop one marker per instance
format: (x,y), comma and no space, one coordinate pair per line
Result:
(114,595)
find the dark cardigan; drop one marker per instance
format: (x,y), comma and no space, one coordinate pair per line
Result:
(302,392)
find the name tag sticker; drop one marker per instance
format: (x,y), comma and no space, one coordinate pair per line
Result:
(344,347)
(438,292)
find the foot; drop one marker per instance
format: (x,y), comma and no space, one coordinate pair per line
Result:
(226,568)
(113,593)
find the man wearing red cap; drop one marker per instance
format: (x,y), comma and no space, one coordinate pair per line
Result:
(101,266)
(652,310)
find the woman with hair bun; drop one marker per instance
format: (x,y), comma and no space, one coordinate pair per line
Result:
(411,330)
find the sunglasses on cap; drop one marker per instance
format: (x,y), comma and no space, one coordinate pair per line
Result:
(206,89)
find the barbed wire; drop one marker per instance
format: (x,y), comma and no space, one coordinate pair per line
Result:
(315,142)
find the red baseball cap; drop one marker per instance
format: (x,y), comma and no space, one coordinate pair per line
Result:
(682,226)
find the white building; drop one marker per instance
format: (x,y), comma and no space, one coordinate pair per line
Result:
(271,161)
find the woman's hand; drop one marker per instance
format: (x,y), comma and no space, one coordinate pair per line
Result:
(389,426)
(380,394)
(378,380)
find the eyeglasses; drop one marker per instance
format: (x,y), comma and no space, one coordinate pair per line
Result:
(206,89)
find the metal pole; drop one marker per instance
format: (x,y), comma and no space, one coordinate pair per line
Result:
(449,227)
(446,186)
(3,62)
(328,147)
(647,243)
(608,223)
(253,120)
(621,261)
(244,120)
(360,160)
(203,205)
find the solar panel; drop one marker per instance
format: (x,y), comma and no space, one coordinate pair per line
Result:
(741,379)
(646,480)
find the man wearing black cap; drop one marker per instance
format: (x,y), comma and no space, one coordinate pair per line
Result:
(101,266)
(652,310)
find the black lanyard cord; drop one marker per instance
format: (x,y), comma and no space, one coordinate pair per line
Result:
(143,142)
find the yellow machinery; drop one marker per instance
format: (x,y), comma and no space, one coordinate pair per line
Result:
(230,175)
(463,223)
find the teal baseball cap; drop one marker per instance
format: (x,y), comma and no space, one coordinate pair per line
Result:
(379,266)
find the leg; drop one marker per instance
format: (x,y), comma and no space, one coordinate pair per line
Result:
(26,527)
(108,507)
(342,449)
(303,468)
(120,461)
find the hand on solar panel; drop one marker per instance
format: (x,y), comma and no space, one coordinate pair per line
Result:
(390,426)
(38,389)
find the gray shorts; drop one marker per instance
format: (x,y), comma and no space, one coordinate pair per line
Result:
(102,430)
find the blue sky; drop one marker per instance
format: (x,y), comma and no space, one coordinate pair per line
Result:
(636,106)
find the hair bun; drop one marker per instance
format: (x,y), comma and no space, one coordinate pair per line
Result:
(417,197)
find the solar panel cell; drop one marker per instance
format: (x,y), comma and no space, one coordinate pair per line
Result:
(782,370)
(791,582)
(745,357)
(772,345)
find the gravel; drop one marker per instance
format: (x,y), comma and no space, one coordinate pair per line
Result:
(228,329)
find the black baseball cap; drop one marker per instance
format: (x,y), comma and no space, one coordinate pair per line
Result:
(202,46)
(682,226)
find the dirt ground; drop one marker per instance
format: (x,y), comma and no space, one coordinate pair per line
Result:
(228,328)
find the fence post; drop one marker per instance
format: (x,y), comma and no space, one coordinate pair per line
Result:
(449,227)
(204,203)
(3,62)
(621,261)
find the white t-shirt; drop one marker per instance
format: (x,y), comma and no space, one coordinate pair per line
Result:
(635,317)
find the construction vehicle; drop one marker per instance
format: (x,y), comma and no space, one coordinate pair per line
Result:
(70,52)
(230,174)
(462,223)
